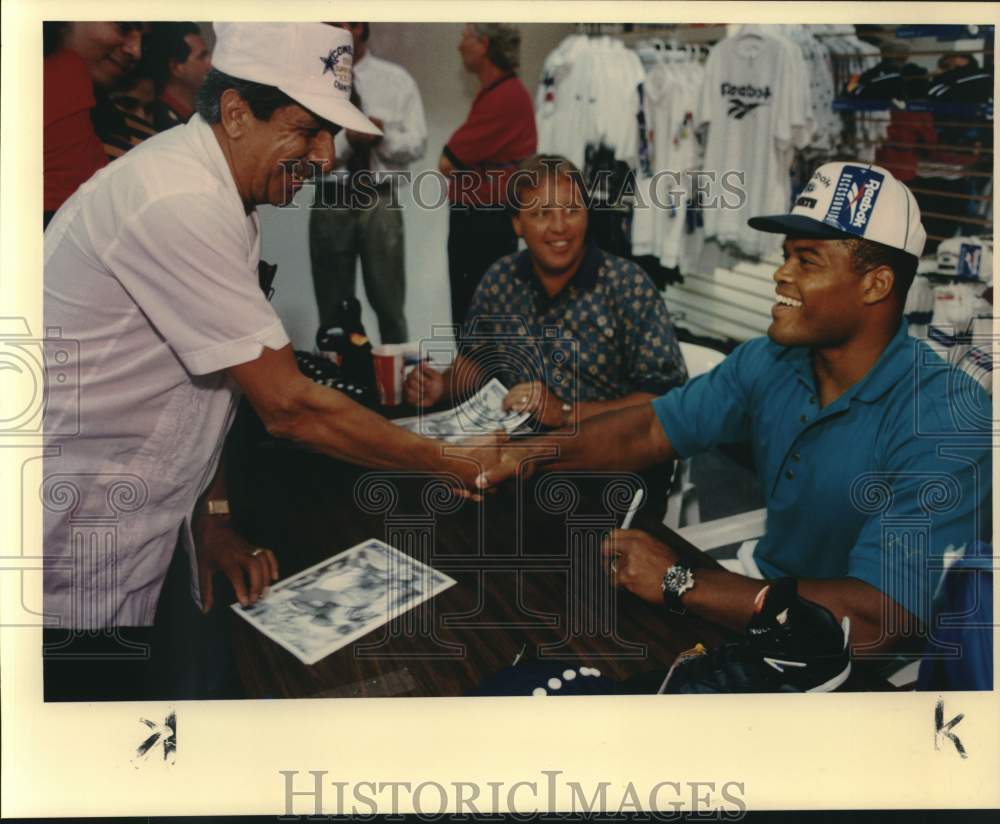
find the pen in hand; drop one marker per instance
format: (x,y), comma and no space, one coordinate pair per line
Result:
(627,522)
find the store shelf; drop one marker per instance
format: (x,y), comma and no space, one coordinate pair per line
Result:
(977,110)
(942,32)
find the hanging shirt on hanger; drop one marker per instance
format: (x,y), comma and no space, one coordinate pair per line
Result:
(755,99)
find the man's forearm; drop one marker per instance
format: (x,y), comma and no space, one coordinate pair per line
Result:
(324,420)
(293,407)
(628,439)
(873,615)
(590,409)
(728,599)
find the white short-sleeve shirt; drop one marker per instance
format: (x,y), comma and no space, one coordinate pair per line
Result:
(755,98)
(151,268)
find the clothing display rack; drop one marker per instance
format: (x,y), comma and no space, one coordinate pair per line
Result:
(940,145)
(937,138)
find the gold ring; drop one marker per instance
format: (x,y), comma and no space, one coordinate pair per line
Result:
(256,552)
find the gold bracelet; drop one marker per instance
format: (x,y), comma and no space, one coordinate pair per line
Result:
(567,414)
(218,506)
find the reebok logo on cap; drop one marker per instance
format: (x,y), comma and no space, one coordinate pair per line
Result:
(854,198)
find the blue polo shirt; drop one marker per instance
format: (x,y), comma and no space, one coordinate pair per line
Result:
(875,486)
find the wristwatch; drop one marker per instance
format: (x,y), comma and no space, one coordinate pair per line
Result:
(676,581)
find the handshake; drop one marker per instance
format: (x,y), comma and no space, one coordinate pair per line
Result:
(484,462)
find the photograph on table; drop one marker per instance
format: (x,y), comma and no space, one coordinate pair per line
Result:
(325,607)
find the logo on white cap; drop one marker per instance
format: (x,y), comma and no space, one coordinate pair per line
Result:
(969,258)
(854,197)
(965,258)
(334,62)
(852,200)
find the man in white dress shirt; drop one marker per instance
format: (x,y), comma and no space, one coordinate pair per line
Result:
(357,208)
(151,267)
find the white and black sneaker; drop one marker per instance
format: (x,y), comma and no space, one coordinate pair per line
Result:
(791,645)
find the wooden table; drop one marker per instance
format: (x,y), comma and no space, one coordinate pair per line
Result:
(526,562)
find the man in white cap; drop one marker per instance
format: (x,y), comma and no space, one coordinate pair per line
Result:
(873,454)
(152,267)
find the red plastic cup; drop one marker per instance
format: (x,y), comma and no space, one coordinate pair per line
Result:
(389,360)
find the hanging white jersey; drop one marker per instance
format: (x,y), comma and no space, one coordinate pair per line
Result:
(755,98)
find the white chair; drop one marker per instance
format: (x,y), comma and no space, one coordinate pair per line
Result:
(682,498)
(700,359)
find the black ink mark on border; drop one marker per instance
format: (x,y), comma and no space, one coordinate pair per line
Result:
(167,733)
(940,728)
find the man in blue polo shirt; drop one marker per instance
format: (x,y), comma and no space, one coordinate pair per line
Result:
(873,454)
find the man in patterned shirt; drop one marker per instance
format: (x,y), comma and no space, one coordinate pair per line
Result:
(573,330)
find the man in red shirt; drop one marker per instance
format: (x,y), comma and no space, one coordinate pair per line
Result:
(79,58)
(178,59)
(497,135)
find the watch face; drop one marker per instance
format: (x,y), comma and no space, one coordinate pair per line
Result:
(677,580)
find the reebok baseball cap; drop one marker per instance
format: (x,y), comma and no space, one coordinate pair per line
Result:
(310,62)
(845,200)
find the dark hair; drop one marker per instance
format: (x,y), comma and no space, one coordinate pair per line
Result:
(163,43)
(867,255)
(263,100)
(537,169)
(54,32)
(945,59)
(365,33)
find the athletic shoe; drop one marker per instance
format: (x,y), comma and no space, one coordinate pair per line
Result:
(791,645)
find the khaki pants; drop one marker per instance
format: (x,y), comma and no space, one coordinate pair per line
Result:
(337,236)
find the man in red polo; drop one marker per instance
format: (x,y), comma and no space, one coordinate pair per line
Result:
(482,153)
(178,59)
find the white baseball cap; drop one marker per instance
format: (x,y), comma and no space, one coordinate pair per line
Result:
(965,258)
(310,62)
(845,200)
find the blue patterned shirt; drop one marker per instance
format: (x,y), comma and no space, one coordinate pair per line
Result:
(605,334)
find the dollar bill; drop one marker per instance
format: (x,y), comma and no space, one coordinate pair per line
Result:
(481,414)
